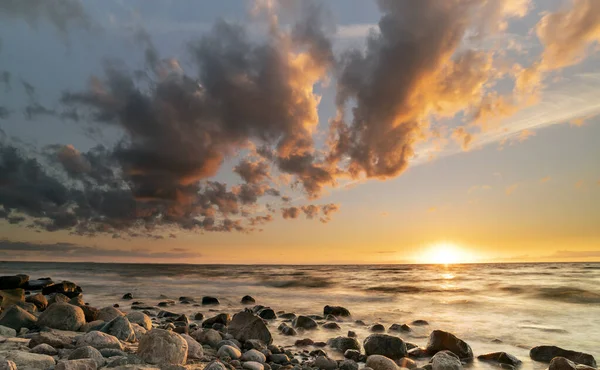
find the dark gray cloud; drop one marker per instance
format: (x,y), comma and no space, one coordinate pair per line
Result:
(13,250)
(62,14)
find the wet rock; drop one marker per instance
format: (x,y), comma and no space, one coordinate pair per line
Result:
(440,340)
(58,298)
(547,353)
(561,363)
(195,350)
(255,356)
(216,365)
(92,325)
(353,354)
(267,314)
(230,352)
(98,340)
(400,328)
(44,349)
(246,325)
(53,338)
(500,358)
(378,362)
(82,364)
(304,342)
(348,365)
(420,323)
(418,352)
(13,282)
(77,301)
(279,358)
(445,360)
(120,327)
(336,311)
(38,284)
(351,334)
(127,296)
(222,318)
(11,297)
(304,322)
(27,360)
(39,300)
(331,326)
(287,330)
(377,328)
(344,343)
(325,363)
(247,300)
(199,316)
(140,318)
(88,352)
(90,313)
(65,287)
(210,337)
(139,331)
(163,347)
(7,332)
(385,345)
(107,314)
(207,301)
(287,316)
(407,363)
(166,314)
(6,364)
(253,365)
(62,316)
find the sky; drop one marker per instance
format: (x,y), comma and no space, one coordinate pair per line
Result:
(300,132)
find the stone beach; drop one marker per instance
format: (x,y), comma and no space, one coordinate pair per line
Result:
(49,325)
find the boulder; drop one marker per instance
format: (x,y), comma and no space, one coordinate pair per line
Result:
(7,364)
(38,284)
(195,349)
(13,282)
(304,322)
(325,363)
(209,301)
(53,338)
(28,360)
(378,362)
(210,337)
(121,328)
(420,323)
(254,355)
(229,351)
(62,316)
(92,325)
(354,354)
(222,318)
(344,343)
(440,340)
(91,313)
(139,331)
(385,345)
(44,349)
(7,332)
(57,298)
(82,364)
(112,352)
(88,352)
(127,296)
(66,287)
(267,314)
(445,360)
(98,340)
(11,297)
(253,365)
(216,365)
(336,311)
(377,328)
(245,325)
(247,300)
(77,301)
(39,300)
(561,363)
(331,326)
(16,318)
(287,330)
(279,358)
(348,365)
(140,318)
(547,353)
(163,347)
(109,313)
(400,328)
(198,316)
(502,358)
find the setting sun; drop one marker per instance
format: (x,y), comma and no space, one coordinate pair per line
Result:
(444,254)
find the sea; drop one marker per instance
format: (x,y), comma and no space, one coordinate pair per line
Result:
(520,304)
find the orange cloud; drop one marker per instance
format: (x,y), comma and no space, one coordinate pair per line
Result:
(545,179)
(511,189)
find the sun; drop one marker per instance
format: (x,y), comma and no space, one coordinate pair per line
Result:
(443,254)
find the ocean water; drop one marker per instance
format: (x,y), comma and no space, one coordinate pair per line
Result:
(523,305)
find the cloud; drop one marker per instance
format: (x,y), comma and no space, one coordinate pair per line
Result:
(545,179)
(476,188)
(67,251)
(576,254)
(511,189)
(579,184)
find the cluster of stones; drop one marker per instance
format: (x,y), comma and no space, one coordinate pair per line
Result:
(55,329)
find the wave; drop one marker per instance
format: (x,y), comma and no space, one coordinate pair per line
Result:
(309,282)
(568,294)
(409,289)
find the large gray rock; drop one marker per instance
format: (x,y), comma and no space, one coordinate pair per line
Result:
(195,349)
(255,356)
(55,338)
(445,360)
(120,328)
(160,346)
(344,343)
(7,364)
(44,349)
(547,353)
(99,340)
(325,363)
(245,325)
(385,345)
(440,340)
(140,318)
(500,358)
(210,337)
(561,363)
(88,352)
(304,322)
(378,362)
(62,316)
(58,298)
(107,314)
(7,332)
(82,364)
(28,360)
(138,330)
(16,318)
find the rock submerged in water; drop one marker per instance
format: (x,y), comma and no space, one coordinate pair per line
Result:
(440,340)
(210,301)
(13,282)
(62,316)
(336,311)
(400,328)
(445,360)
(561,363)
(344,344)
(304,322)
(247,300)
(547,353)
(385,345)
(245,325)
(160,346)
(500,358)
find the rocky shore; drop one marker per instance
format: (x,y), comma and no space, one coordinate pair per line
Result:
(48,325)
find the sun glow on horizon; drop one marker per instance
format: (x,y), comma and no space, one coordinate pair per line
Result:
(444,254)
